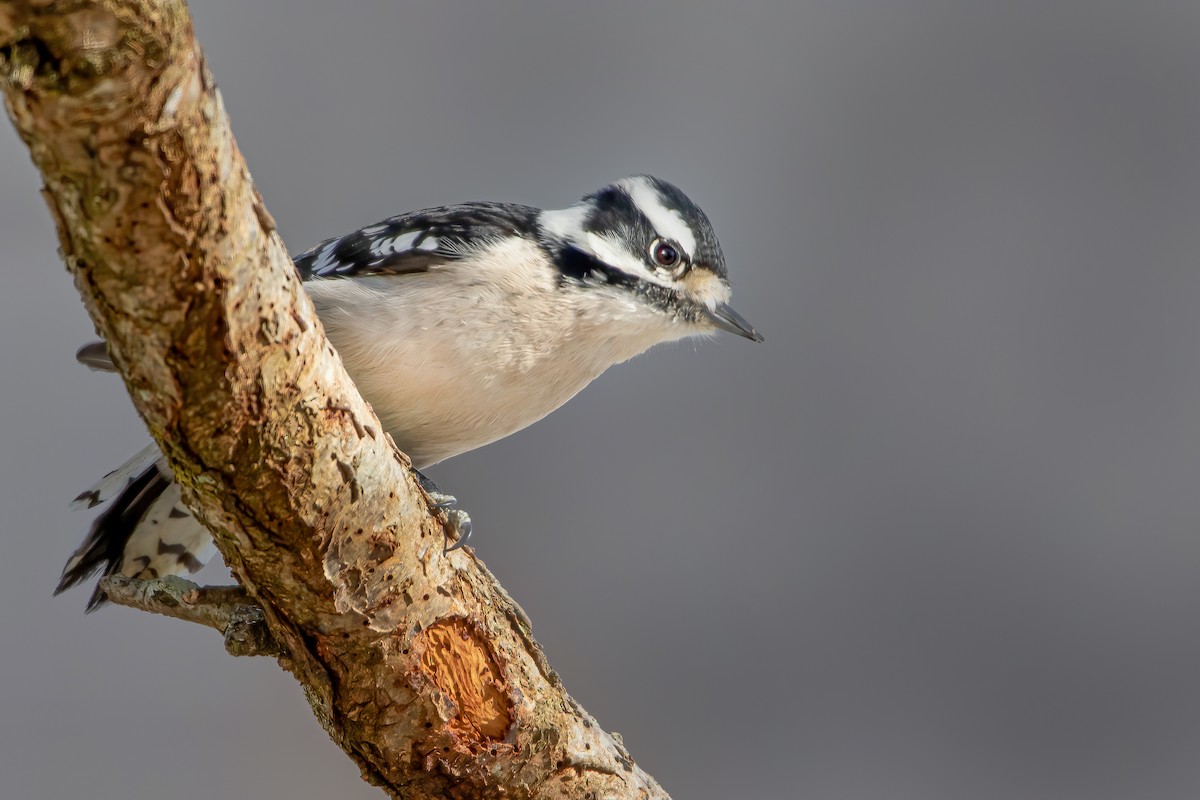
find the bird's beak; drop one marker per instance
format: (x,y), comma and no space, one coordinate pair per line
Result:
(725,318)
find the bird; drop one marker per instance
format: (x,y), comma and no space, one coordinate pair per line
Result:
(460,325)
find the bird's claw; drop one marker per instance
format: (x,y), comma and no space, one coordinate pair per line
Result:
(459,521)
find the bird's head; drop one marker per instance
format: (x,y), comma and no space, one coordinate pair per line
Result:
(644,240)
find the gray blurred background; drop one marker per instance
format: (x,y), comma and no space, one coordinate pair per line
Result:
(939,537)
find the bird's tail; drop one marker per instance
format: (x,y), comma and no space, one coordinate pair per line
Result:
(146,531)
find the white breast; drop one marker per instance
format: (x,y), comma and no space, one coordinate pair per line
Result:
(472,351)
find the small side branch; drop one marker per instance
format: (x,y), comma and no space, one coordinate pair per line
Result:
(227,609)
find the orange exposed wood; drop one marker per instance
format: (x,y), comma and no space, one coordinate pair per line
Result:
(462,665)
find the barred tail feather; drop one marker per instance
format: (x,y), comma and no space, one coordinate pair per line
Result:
(117,481)
(105,543)
(146,532)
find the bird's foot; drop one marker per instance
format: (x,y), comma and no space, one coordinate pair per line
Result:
(459,521)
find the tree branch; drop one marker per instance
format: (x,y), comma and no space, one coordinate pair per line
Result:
(227,609)
(418,664)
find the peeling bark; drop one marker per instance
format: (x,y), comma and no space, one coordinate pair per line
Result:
(418,664)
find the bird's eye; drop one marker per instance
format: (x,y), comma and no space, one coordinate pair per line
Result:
(665,254)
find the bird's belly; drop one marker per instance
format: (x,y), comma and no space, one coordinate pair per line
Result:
(449,366)
(435,412)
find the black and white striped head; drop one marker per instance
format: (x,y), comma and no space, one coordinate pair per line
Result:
(645,236)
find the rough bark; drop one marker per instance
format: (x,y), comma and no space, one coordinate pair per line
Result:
(418,664)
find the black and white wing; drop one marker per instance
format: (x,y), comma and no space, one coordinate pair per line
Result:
(418,241)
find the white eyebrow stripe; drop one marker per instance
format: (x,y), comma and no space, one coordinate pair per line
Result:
(666,221)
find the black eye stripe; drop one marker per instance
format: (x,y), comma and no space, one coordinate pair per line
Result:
(578,265)
(613,211)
